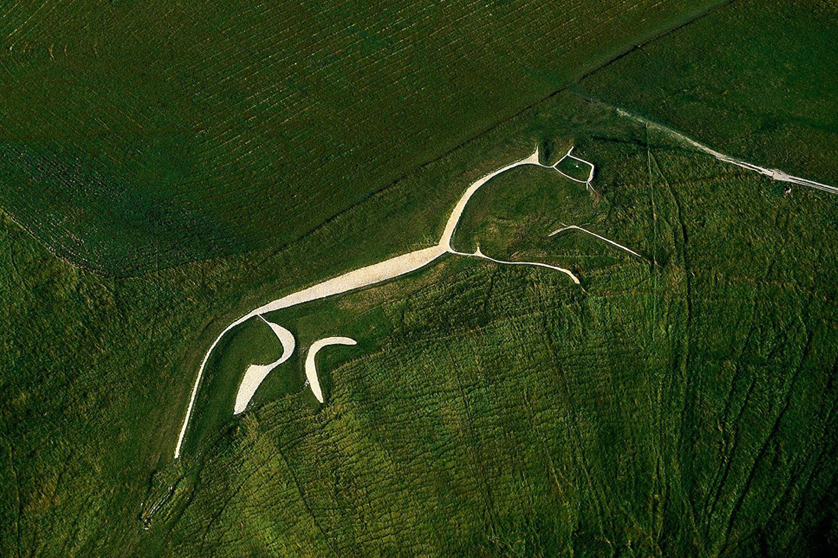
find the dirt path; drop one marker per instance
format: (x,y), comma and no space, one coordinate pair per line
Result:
(774,174)
(353,280)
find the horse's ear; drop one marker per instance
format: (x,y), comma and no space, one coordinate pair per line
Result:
(535,158)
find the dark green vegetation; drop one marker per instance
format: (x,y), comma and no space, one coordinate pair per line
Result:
(680,406)
(145,134)
(758,89)
(514,214)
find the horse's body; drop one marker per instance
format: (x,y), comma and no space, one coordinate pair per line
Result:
(356,279)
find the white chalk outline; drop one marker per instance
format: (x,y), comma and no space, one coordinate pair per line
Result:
(311,367)
(364,277)
(568,155)
(609,241)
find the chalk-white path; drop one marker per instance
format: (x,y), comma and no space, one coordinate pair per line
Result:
(359,278)
(775,174)
(609,241)
(311,368)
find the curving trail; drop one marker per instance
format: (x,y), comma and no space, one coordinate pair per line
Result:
(311,369)
(357,279)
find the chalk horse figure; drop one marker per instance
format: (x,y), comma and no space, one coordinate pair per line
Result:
(357,279)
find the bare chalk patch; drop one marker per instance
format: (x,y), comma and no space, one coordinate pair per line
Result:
(311,368)
(256,373)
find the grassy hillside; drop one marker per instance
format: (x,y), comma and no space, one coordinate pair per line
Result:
(140,135)
(749,79)
(681,408)
(682,404)
(685,408)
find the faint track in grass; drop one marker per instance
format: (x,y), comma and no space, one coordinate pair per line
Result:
(774,174)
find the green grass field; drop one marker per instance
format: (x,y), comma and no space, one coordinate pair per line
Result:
(144,135)
(681,403)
